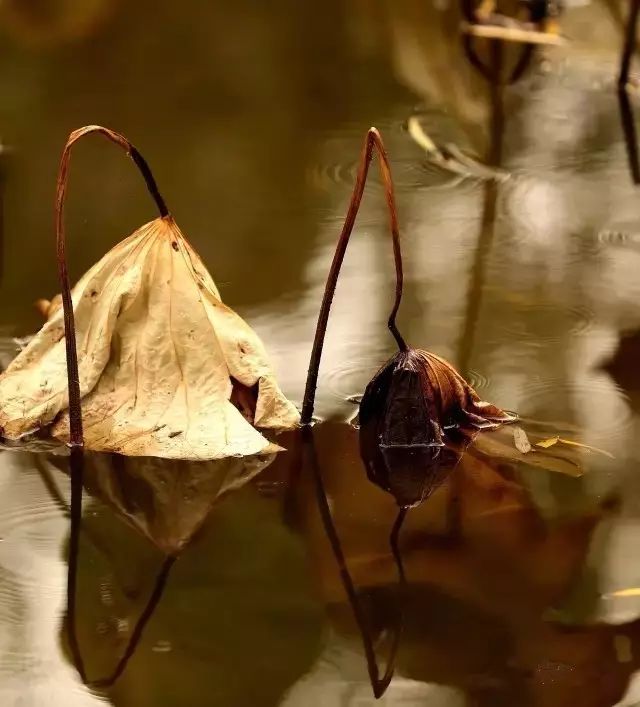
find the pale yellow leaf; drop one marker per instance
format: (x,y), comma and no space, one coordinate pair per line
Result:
(158,356)
(521,440)
(546,443)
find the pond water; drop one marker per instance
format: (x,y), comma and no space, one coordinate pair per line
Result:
(523,581)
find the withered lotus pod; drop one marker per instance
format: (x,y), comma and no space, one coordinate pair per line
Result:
(416,417)
(417,414)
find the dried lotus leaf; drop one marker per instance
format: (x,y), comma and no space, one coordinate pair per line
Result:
(158,354)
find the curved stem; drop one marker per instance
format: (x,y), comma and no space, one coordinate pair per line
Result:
(372,141)
(75,413)
(378,684)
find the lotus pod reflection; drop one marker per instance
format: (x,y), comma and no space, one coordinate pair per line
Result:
(416,417)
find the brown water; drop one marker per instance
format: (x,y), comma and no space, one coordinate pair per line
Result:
(252,115)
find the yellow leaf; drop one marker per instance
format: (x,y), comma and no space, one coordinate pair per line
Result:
(521,440)
(160,357)
(546,443)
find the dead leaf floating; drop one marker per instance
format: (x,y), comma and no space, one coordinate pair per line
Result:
(521,440)
(552,441)
(418,413)
(160,358)
(546,443)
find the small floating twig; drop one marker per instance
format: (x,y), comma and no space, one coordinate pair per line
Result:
(512,33)
(450,157)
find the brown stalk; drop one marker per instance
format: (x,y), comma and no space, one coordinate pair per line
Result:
(76,436)
(372,141)
(629,130)
(75,413)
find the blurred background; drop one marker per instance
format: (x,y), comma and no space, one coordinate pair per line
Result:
(252,116)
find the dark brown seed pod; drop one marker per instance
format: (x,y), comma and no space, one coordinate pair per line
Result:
(416,417)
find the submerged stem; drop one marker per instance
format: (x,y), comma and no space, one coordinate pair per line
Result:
(372,141)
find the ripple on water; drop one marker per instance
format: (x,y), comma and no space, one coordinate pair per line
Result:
(29,516)
(347,381)
(11,599)
(324,177)
(338,164)
(32,526)
(476,380)
(622,237)
(550,398)
(408,174)
(544,322)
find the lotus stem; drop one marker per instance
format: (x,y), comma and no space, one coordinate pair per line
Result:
(629,129)
(76,464)
(75,413)
(373,141)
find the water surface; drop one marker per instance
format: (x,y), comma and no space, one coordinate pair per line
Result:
(252,116)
